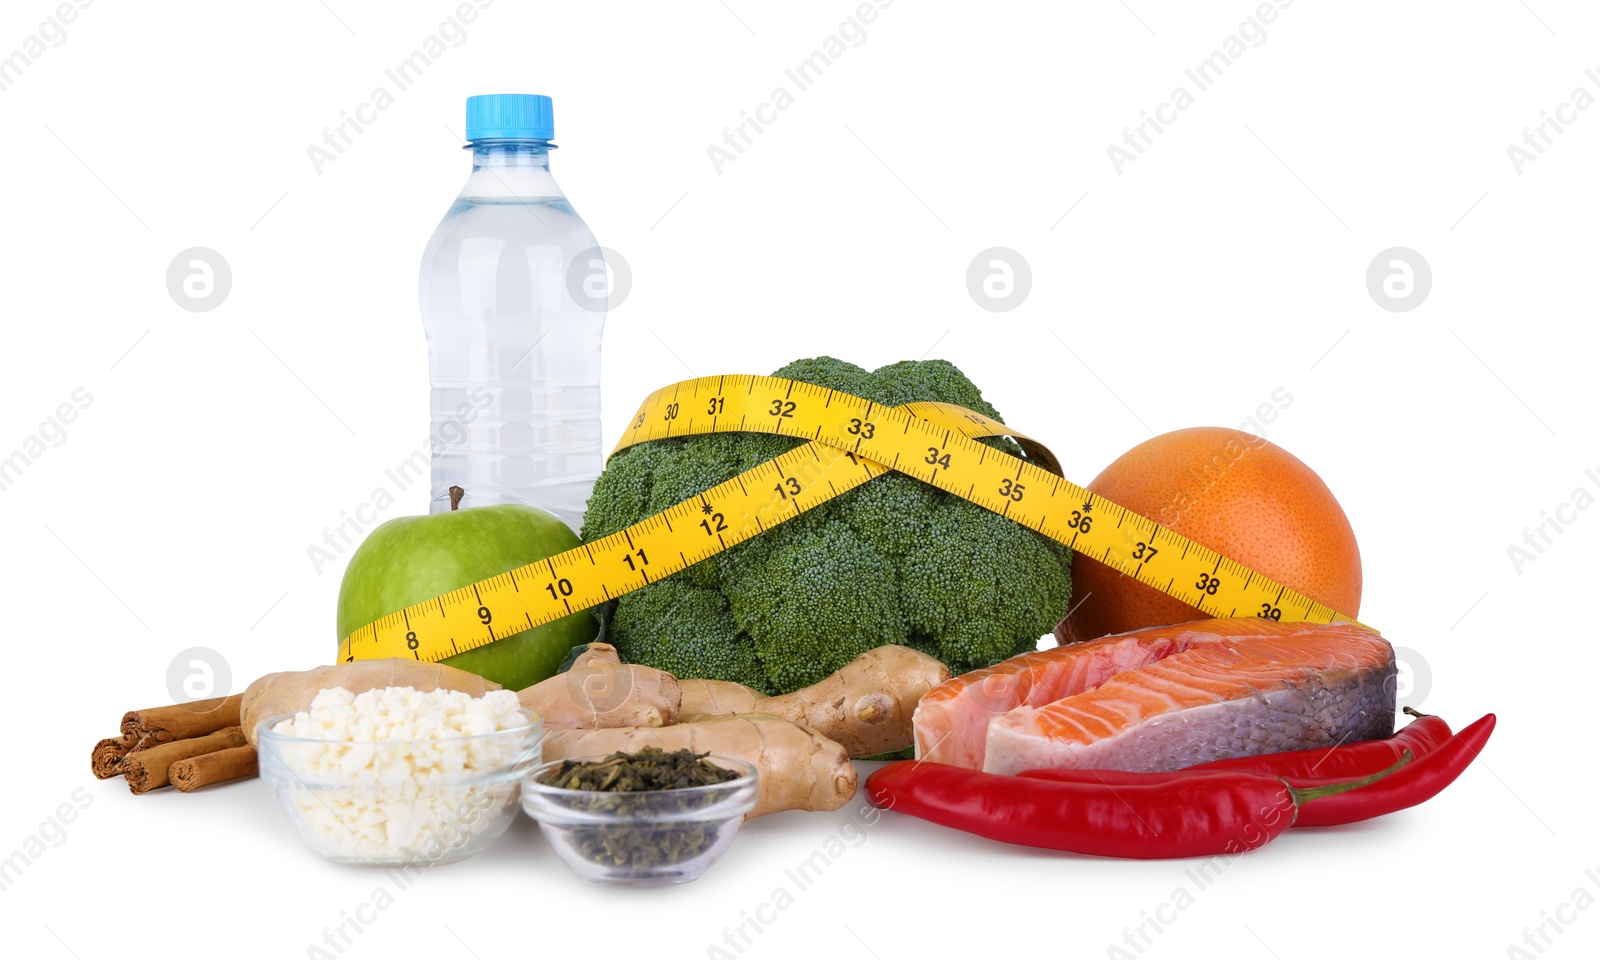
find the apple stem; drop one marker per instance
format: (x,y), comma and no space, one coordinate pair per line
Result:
(456,493)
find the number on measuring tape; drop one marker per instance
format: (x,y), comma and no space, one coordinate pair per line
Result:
(644,561)
(790,487)
(937,457)
(1143,552)
(861,428)
(1208,583)
(1012,489)
(714,524)
(715,406)
(781,408)
(560,588)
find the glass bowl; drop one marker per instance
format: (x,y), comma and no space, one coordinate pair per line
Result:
(643,838)
(390,803)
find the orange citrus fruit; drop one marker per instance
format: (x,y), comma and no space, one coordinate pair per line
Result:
(1237,493)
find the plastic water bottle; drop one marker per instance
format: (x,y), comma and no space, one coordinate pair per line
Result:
(513,348)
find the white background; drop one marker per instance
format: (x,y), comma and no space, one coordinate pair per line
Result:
(1227,261)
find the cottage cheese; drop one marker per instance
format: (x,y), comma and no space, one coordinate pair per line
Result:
(399,774)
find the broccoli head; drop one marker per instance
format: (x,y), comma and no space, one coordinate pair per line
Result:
(893,561)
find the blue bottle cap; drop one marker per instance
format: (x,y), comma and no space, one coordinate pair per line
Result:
(510,116)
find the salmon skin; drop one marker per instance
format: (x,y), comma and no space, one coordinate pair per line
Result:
(1165,698)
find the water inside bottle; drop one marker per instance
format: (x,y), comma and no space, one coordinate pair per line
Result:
(514,357)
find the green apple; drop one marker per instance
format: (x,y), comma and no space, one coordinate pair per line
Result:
(408,560)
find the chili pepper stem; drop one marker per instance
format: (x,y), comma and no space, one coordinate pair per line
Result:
(1417,714)
(1302,795)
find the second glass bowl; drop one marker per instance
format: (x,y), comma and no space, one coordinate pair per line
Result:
(641,838)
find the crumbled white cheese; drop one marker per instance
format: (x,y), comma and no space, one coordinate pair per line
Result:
(401,773)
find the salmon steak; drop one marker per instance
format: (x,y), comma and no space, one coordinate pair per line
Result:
(1165,698)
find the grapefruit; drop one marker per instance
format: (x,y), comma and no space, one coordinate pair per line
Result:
(1239,494)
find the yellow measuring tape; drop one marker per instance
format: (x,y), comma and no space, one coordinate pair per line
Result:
(852,440)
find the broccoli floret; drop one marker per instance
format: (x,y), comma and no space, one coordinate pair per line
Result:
(686,630)
(893,561)
(833,596)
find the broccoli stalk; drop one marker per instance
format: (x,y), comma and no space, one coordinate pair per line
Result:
(892,561)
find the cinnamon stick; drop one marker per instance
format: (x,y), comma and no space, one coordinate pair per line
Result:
(234,763)
(150,768)
(106,760)
(181,721)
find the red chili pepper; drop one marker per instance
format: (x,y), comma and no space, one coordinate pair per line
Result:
(1411,785)
(1194,816)
(1422,736)
(1126,778)
(1418,781)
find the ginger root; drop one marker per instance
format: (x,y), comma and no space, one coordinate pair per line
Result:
(866,705)
(597,653)
(601,691)
(799,768)
(293,691)
(718,698)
